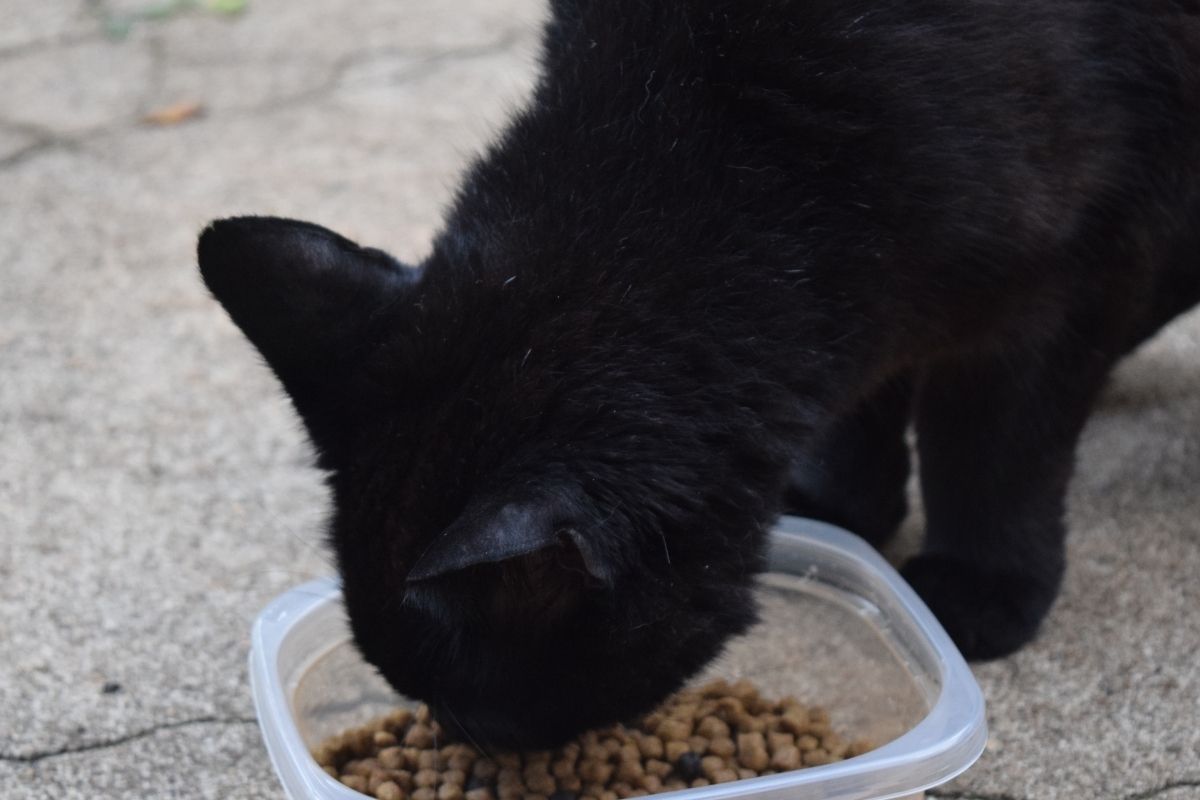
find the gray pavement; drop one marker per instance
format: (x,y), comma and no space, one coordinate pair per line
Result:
(155,488)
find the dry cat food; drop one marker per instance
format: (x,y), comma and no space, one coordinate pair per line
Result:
(717,733)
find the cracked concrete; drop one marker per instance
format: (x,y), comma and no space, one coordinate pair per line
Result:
(155,490)
(106,744)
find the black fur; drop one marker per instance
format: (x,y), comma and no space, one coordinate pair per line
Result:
(718,263)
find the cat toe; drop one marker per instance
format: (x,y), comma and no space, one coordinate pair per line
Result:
(989,614)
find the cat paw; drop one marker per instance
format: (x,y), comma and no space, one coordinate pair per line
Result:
(988,614)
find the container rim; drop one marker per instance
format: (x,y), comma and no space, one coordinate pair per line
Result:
(942,745)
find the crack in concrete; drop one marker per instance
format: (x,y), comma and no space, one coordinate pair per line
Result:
(956,795)
(35,757)
(1186,783)
(32,149)
(37,45)
(1145,794)
(428,64)
(48,141)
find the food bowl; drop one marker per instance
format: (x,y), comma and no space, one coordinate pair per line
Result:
(840,629)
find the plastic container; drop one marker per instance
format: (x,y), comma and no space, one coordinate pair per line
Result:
(840,629)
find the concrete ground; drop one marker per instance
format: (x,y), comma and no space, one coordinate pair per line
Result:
(155,488)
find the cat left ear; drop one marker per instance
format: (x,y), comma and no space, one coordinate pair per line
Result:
(310,300)
(492,533)
(301,293)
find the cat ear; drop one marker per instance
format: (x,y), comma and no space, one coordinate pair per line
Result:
(302,294)
(492,533)
(307,298)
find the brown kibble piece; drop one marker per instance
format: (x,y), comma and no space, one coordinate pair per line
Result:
(540,783)
(400,718)
(389,791)
(449,791)
(817,757)
(794,721)
(709,765)
(779,739)
(651,747)
(630,772)
(596,772)
(460,761)
(728,707)
(356,782)
(482,793)
(724,776)
(743,690)
(785,758)
(419,736)
(391,758)
(748,722)
(674,750)
(674,730)
(425,793)
(713,728)
(377,779)
(426,778)
(723,747)
(833,743)
(858,747)
(509,776)
(752,751)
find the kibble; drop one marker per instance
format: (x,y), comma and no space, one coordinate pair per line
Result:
(700,737)
(389,791)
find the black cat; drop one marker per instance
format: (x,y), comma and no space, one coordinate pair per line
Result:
(711,272)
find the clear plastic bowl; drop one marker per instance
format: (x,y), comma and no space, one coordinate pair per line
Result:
(840,629)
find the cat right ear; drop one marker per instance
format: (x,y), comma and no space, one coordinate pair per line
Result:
(310,300)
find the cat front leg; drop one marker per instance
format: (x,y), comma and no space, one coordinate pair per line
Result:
(855,475)
(996,437)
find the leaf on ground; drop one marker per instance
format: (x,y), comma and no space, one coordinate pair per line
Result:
(174,113)
(117,27)
(227,6)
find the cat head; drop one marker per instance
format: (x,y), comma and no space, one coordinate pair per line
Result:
(530,539)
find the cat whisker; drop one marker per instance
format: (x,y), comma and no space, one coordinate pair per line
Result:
(483,750)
